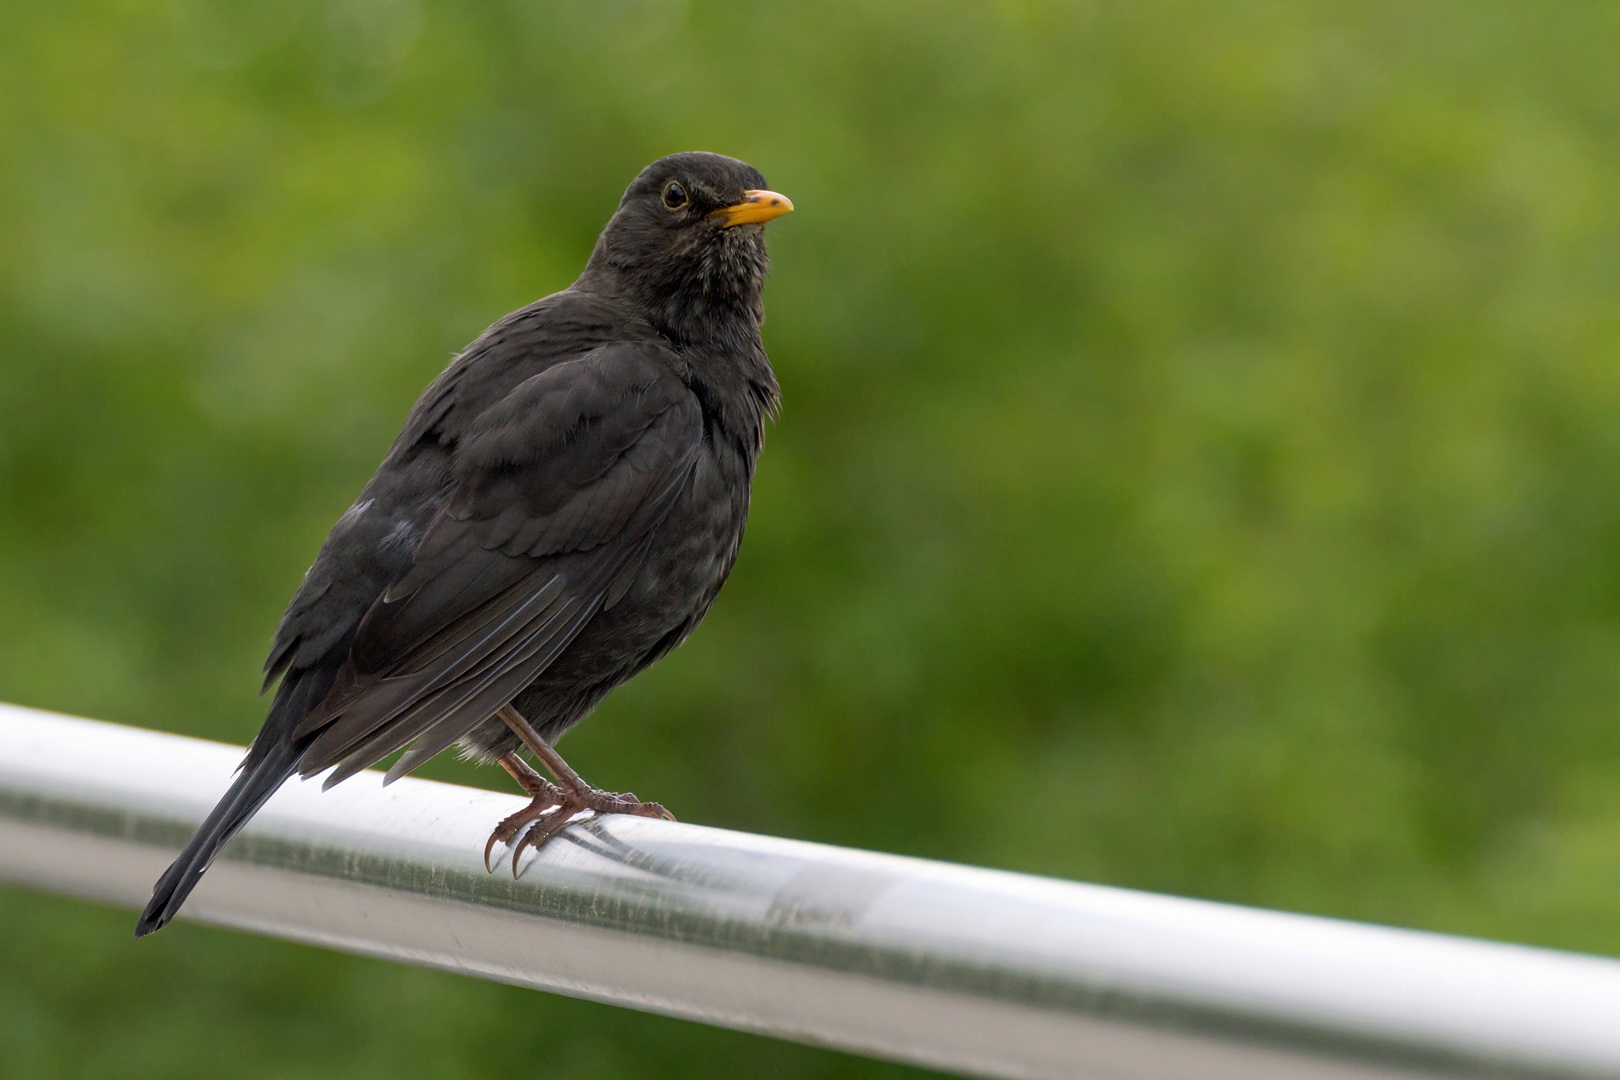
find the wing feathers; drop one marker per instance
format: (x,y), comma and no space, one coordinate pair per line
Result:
(558,487)
(378,703)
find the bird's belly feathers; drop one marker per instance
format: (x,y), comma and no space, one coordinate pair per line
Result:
(690,556)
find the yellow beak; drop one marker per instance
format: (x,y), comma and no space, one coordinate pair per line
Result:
(756,207)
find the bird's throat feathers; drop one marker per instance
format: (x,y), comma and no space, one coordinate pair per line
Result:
(705,297)
(704,288)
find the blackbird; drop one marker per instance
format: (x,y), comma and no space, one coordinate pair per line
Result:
(559,512)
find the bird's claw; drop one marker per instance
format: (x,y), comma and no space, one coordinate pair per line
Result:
(614,802)
(549,814)
(541,831)
(509,827)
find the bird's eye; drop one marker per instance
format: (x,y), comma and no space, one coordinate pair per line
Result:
(675,196)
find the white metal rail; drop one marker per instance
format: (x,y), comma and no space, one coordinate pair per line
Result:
(971,971)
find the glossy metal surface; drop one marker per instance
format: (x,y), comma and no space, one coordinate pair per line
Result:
(972,971)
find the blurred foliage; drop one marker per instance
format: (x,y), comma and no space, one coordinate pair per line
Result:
(1200,468)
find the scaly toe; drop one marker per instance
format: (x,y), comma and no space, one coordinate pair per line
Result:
(543,830)
(509,827)
(612,802)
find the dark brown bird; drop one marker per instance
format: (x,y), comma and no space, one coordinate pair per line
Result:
(561,509)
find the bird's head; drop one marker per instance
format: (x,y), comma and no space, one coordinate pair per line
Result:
(687,242)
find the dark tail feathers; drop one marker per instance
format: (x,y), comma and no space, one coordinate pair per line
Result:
(263,771)
(253,787)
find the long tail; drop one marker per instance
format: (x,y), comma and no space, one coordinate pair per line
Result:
(253,787)
(271,760)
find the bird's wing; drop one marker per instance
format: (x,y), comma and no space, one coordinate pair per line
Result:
(558,486)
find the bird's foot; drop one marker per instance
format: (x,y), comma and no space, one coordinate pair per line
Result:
(509,827)
(544,795)
(554,805)
(612,802)
(543,825)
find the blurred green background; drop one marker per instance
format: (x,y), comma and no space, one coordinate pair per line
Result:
(1200,468)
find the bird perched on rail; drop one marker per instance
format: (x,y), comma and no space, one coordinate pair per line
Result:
(559,512)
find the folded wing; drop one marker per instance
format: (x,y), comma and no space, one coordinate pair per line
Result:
(559,486)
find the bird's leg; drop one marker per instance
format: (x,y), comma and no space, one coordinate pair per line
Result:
(544,795)
(572,785)
(572,793)
(532,783)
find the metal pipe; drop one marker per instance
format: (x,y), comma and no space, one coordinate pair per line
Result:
(972,971)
